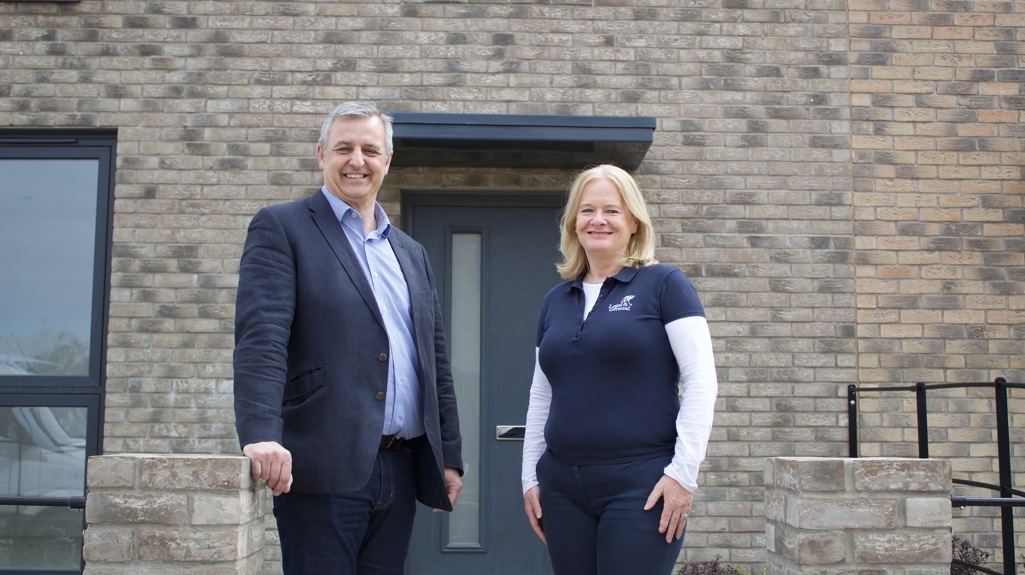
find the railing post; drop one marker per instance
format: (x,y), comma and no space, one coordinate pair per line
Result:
(1004,463)
(852,420)
(923,421)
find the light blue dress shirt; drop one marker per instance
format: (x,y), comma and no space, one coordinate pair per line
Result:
(402,405)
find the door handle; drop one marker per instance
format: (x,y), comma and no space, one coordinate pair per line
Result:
(510,432)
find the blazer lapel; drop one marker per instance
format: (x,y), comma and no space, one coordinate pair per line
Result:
(398,245)
(324,218)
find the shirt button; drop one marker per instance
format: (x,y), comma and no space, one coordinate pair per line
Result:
(379,395)
(382,357)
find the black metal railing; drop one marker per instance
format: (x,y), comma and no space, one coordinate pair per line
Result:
(69,502)
(1009,496)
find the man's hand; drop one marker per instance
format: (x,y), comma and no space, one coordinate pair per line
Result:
(678,502)
(532,507)
(270,462)
(453,485)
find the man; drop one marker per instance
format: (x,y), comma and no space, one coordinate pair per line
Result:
(344,400)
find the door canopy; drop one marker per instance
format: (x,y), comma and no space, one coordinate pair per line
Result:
(520,141)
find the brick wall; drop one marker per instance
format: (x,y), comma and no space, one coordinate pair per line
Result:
(843,183)
(937,106)
(937,130)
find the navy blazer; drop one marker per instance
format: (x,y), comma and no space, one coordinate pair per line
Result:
(311,352)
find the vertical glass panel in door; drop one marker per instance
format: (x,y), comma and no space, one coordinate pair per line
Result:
(48,239)
(42,455)
(464,521)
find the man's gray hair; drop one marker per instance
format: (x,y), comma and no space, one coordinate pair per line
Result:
(357,110)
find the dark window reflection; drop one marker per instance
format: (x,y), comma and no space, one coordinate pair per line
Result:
(42,454)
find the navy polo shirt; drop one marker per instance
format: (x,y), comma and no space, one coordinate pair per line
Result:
(614,378)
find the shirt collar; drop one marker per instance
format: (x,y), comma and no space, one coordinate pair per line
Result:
(624,275)
(342,209)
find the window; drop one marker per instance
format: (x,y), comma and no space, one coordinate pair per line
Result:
(56,199)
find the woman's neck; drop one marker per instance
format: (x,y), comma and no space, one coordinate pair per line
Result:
(597,273)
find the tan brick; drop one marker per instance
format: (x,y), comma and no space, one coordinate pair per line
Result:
(123,507)
(891,475)
(189,546)
(114,545)
(931,512)
(902,547)
(840,514)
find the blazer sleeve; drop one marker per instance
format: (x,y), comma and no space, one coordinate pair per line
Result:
(264,309)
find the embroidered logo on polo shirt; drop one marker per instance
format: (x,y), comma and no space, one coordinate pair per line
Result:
(623,305)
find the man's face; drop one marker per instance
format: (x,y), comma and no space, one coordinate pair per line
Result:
(355,160)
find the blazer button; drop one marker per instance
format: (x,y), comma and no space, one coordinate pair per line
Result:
(379,395)
(382,357)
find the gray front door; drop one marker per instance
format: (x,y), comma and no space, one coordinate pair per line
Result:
(494,260)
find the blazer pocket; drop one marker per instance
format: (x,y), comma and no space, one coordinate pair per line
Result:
(303,384)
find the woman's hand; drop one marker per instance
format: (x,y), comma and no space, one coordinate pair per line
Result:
(532,507)
(678,502)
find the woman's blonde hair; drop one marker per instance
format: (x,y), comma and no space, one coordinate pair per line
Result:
(640,252)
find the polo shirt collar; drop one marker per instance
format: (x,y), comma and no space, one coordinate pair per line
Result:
(624,275)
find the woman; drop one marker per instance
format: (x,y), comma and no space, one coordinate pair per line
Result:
(611,454)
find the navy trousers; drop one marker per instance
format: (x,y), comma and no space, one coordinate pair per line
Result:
(365,532)
(595,522)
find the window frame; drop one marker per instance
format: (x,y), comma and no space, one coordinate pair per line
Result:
(72,390)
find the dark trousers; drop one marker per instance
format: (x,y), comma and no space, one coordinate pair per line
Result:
(365,532)
(595,522)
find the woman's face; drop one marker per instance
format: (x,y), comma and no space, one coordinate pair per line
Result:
(604,226)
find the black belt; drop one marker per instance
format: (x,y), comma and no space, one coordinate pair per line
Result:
(392,441)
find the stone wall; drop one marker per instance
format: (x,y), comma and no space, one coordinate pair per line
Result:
(168,515)
(885,516)
(173,514)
